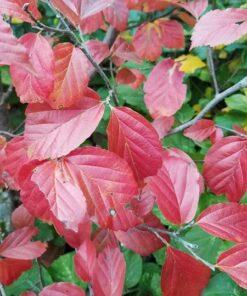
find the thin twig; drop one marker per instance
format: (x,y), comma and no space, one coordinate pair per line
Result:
(2,290)
(232,131)
(8,134)
(217,99)
(211,67)
(6,94)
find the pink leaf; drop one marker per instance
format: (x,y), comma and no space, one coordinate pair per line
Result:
(132,77)
(98,50)
(227,221)
(172,33)
(62,289)
(11,51)
(71,76)
(164,90)
(109,273)
(225,168)
(14,8)
(117,15)
(178,274)
(18,245)
(53,133)
(163,125)
(15,158)
(34,87)
(177,187)
(21,218)
(234,263)
(219,27)
(201,131)
(76,11)
(147,41)
(92,24)
(140,240)
(66,201)
(133,138)
(84,260)
(195,7)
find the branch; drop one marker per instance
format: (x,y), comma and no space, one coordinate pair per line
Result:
(211,67)
(217,99)
(2,290)
(6,94)
(8,134)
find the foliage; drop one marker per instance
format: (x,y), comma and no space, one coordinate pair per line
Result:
(124,160)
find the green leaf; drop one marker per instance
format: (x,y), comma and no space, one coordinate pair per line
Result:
(160,256)
(132,97)
(185,114)
(232,118)
(5,76)
(237,102)
(46,231)
(209,247)
(150,280)
(179,141)
(222,285)
(62,270)
(30,280)
(133,268)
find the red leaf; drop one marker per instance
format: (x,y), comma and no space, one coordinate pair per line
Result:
(201,130)
(196,7)
(28,293)
(103,238)
(117,15)
(21,218)
(172,33)
(142,204)
(165,92)
(219,27)
(98,50)
(103,178)
(76,11)
(71,76)
(74,238)
(122,51)
(62,289)
(234,263)
(109,273)
(34,87)
(225,168)
(140,240)
(14,8)
(183,275)
(147,41)
(217,135)
(163,125)
(11,51)
(11,269)
(133,138)
(54,133)
(15,158)
(17,245)
(85,260)
(227,221)
(33,199)
(132,77)
(66,200)
(92,23)
(177,187)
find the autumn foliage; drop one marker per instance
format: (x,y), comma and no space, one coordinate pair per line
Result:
(125,188)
